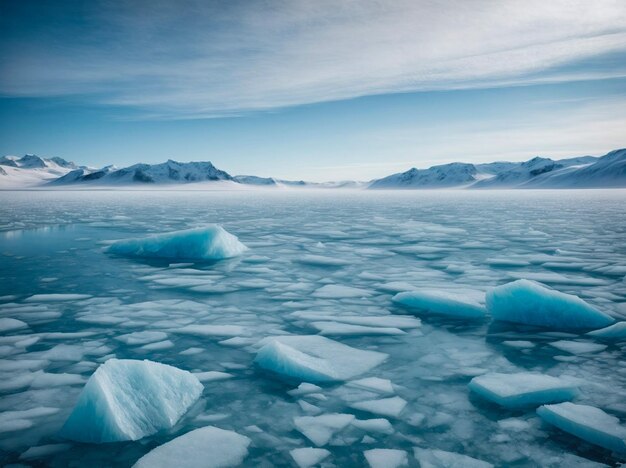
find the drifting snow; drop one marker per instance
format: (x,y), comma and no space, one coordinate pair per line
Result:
(315,358)
(127,399)
(588,423)
(527,302)
(441,303)
(207,447)
(522,389)
(207,243)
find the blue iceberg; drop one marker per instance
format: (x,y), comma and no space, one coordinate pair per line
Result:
(522,389)
(127,399)
(588,423)
(207,447)
(531,303)
(314,358)
(206,243)
(441,303)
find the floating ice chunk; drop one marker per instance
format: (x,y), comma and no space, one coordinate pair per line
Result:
(578,347)
(320,429)
(336,291)
(393,321)
(441,303)
(433,458)
(522,389)
(342,329)
(305,388)
(211,376)
(519,344)
(212,330)
(127,399)
(315,358)
(319,260)
(157,346)
(616,331)
(11,324)
(308,456)
(391,407)
(374,425)
(142,337)
(588,423)
(41,379)
(12,421)
(56,297)
(524,301)
(374,384)
(206,243)
(386,458)
(207,447)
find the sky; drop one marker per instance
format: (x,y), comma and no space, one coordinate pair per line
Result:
(323,90)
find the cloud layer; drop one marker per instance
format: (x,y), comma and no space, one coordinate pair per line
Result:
(190,59)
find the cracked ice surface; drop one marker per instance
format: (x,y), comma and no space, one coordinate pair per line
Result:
(359,379)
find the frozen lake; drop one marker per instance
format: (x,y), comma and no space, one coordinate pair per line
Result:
(320,262)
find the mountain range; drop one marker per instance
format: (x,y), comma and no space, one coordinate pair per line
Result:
(608,171)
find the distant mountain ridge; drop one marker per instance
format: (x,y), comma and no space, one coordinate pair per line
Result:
(608,171)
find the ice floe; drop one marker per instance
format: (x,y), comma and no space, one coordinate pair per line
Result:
(441,303)
(578,347)
(315,358)
(207,447)
(11,325)
(522,389)
(128,399)
(391,407)
(615,332)
(434,458)
(588,423)
(320,429)
(206,243)
(306,457)
(386,458)
(527,302)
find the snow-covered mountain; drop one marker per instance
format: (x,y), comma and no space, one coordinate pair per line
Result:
(608,171)
(581,172)
(170,172)
(31,171)
(444,176)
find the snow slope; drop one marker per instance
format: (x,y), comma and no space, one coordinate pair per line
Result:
(444,176)
(31,170)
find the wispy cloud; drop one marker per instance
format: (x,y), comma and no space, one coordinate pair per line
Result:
(188,59)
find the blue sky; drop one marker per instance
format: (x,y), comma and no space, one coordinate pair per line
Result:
(314,90)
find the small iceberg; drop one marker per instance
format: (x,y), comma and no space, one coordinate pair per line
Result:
(522,389)
(313,358)
(441,303)
(615,332)
(207,447)
(206,243)
(588,423)
(531,303)
(127,399)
